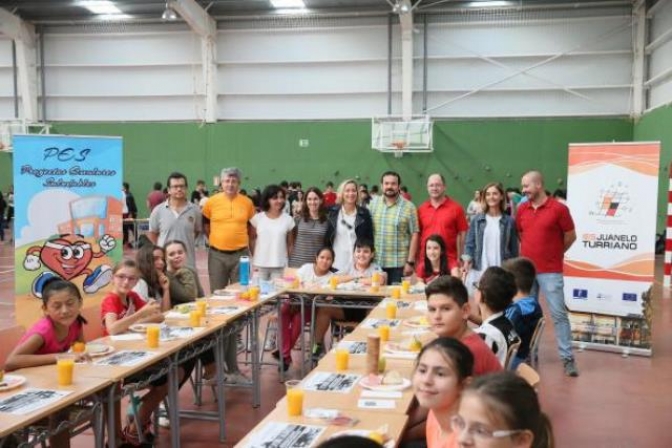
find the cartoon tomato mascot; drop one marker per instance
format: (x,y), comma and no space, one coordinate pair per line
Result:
(68,256)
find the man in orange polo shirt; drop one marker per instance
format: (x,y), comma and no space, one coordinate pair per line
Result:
(226,218)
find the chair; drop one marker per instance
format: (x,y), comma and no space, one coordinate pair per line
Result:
(340,328)
(94,324)
(534,342)
(511,355)
(526,372)
(10,337)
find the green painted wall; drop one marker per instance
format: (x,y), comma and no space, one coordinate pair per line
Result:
(657,126)
(469,153)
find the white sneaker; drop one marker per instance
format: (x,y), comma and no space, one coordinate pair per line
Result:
(271,342)
(164,422)
(237,378)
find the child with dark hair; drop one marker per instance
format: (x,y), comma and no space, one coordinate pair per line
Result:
(494,293)
(525,311)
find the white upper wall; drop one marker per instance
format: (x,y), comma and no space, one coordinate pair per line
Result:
(552,63)
(6,80)
(660,59)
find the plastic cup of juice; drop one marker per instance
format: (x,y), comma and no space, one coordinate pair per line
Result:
(333,282)
(65,367)
(294,398)
(395,292)
(391,310)
(405,285)
(202,306)
(195,318)
(384,333)
(153,332)
(342,358)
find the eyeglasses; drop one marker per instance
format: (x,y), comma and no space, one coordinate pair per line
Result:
(478,431)
(129,278)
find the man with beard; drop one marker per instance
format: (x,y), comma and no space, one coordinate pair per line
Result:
(395,224)
(440,215)
(546,231)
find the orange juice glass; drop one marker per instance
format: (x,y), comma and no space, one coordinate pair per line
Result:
(78,347)
(375,278)
(391,310)
(65,367)
(195,318)
(342,358)
(153,332)
(296,283)
(395,292)
(202,306)
(294,398)
(333,282)
(405,286)
(384,333)
(254,293)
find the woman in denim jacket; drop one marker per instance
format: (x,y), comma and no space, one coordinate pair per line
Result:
(492,236)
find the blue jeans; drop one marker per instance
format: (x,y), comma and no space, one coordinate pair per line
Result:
(394,275)
(553,287)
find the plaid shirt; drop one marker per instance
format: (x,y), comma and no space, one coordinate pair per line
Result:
(393,226)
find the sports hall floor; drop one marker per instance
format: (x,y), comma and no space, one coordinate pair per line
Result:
(616,402)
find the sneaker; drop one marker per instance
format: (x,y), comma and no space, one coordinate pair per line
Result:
(271,341)
(570,367)
(99,278)
(164,421)
(237,378)
(318,353)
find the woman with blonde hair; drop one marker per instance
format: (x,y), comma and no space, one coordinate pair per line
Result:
(492,236)
(346,223)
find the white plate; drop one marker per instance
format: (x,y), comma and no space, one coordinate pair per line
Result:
(395,348)
(10,382)
(420,305)
(405,384)
(96,350)
(138,328)
(415,322)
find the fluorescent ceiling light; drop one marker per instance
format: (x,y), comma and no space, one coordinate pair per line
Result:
(288,4)
(100,6)
(490,3)
(113,17)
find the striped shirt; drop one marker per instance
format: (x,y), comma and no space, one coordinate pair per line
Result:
(393,227)
(309,239)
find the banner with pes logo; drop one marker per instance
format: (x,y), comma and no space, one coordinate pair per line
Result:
(68,217)
(609,270)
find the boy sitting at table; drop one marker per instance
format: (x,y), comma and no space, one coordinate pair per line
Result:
(360,270)
(525,311)
(448,313)
(494,293)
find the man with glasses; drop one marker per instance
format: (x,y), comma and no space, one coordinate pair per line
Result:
(176,218)
(227,224)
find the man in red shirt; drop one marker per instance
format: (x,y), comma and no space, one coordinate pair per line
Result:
(546,231)
(155,197)
(442,216)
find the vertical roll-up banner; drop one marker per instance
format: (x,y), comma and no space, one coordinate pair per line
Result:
(612,191)
(68,216)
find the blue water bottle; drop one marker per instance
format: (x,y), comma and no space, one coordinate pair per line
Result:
(244,273)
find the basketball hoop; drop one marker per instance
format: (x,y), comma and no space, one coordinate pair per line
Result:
(399,146)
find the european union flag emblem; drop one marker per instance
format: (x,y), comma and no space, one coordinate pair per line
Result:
(581,294)
(629,296)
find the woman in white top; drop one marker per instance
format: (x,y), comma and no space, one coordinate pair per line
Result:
(492,236)
(270,250)
(347,222)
